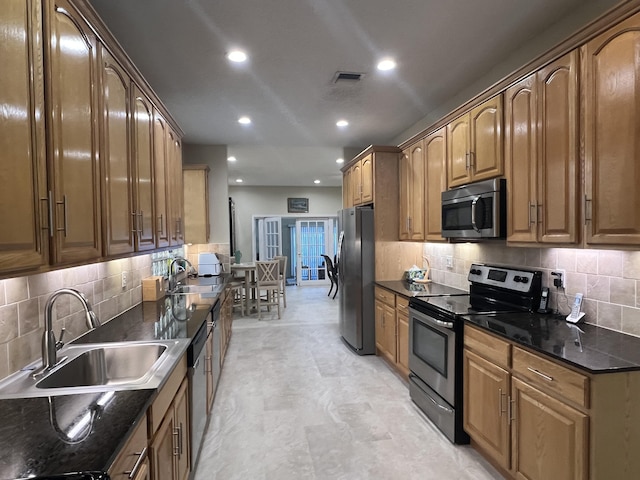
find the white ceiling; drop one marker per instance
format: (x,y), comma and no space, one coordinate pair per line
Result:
(295,48)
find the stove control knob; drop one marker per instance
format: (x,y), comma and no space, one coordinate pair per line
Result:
(525,280)
(517,278)
(475,271)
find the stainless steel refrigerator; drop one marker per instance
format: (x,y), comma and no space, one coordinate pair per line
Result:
(356,269)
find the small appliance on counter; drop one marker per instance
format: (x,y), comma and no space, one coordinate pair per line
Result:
(209,265)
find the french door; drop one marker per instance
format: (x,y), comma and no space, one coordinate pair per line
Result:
(313,238)
(269,233)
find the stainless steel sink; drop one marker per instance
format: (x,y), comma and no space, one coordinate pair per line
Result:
(105,366)
(198,289)
(99,367)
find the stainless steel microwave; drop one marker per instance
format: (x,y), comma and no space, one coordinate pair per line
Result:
(476,210)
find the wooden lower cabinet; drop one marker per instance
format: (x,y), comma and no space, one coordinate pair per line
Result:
(486,386)
(550,439)
(132,462)
(535,418)
(392,329)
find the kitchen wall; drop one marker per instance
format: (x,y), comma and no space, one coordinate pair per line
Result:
(609,279)
(575,19)
(22,301)
(272,201)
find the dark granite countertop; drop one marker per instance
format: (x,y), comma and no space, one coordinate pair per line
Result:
(588,347)
(402,287)
(33,445)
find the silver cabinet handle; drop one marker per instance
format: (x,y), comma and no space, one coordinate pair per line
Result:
(134,223)
(176,443)
(134,471)
(511,408)
(64,215)
(161,229)
(500,397)
(181,438)
(531,206)
(587,208)
(540,374)
(49,201)
(141,222)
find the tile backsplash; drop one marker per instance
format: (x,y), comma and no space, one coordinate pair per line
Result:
(22,301)
(609,279)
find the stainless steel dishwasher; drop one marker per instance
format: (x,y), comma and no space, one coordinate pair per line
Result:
(198,386)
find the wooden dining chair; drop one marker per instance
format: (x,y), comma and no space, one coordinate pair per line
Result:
(332,273)
(268,280)
(283,277)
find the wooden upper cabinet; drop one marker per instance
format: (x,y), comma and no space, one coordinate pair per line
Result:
(23,197)
(117,188)
(458,149)
(435,154)
(558,152)
(541,154)
(412,178)
(161,184)
(366,182)
(143,168)
(176,200)
(475,144)
(72,112)
(196,203)
(347,199)
(521,159)
(611,73)
(355,176)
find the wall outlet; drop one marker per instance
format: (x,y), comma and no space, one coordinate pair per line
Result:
(562,276)
(449,261)
(124,279)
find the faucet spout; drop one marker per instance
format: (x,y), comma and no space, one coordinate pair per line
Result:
(172,276)
(49,350)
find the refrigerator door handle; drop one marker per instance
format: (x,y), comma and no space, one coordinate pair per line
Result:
(340,239)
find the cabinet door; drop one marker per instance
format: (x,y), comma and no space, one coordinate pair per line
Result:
(611,72)
(386,331)
(486,390)
(486,140)
(403,342)
(435,151)
(356,183)
(23,197)
(164,449)
(174,152)
(196,203)
(160,175)
(116,157)
(405,194)
(73,136)
(521,141)
(347,199)
(366,182)
(416,191)
(379,317)
(550,439)
(181,408)
(458,148)
(558,172)
(143,161)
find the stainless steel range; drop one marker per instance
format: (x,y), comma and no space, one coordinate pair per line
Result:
(435,338)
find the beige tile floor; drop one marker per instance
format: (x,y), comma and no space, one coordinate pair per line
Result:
(294,403)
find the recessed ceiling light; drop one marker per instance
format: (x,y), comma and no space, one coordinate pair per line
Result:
(237,56)
(231,159)
(244,120)
(340,160)
(386,64)
(239,180)
(342,123)
(316,181)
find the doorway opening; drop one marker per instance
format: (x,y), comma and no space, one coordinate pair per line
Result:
(302,239)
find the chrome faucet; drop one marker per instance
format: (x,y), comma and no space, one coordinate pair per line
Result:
(49,345)
(172,277)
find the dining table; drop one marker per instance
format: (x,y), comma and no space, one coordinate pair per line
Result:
(249,271)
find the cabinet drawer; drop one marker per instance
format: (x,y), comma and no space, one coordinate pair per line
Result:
(488,346)
(551,376)
(385,296)
(133,455)
(402,305)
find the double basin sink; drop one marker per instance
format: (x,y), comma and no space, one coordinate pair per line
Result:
(99,367)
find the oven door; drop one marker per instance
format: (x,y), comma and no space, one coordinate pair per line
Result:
(432,344)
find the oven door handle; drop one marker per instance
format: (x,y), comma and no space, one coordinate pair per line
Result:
(436,322)
(473,213)
(441,407)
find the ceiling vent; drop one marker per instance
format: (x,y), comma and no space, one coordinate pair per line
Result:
(347,77)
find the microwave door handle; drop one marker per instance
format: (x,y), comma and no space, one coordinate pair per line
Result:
(473,214)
